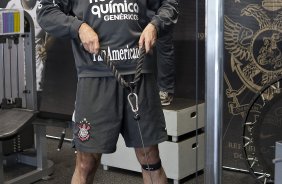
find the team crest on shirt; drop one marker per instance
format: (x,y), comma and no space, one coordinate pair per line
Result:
(84,127)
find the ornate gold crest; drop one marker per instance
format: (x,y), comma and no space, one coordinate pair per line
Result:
(256,55)
(272,5)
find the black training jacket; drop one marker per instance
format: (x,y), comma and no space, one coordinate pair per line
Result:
(118,23)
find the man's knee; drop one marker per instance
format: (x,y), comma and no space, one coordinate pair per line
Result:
(149,155)
(87,162)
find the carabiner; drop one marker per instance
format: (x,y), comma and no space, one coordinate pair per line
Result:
(129,98)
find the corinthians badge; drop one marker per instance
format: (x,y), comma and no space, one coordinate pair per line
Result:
(84,127)
(256,55)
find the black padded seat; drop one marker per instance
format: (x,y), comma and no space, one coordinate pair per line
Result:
(12,121)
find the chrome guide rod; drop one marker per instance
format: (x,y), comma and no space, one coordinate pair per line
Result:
(214,91)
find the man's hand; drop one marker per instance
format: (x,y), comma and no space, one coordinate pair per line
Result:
(148,37)
(89,38)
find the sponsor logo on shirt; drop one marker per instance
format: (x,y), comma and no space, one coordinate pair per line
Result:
(111,10)
(119,54)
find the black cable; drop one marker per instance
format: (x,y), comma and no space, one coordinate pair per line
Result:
(130,86)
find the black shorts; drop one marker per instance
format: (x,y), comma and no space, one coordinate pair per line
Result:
(102,112)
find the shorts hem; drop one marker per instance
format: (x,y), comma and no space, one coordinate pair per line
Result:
(93,150)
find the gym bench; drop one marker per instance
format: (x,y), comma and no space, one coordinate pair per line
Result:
(22,138)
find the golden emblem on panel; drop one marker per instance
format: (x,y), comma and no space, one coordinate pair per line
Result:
(272,5)
(256,55)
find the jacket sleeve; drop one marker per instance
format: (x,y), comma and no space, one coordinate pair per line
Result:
(166,15)
(54,16)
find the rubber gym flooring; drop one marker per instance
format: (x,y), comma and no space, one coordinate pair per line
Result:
(64,162)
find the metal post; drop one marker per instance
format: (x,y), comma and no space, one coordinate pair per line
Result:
(30,69)
(214,91)
(1,164)
(278,163)
(40,142)
(2,77)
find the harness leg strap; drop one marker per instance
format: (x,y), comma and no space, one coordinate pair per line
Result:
(152,167)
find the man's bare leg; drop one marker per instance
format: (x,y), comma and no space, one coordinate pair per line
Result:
(85,168)
(151,177)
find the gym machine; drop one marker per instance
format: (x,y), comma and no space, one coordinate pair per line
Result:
(20,134)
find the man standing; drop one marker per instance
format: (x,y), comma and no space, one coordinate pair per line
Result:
(166,68)
(117,28)
(165,64)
